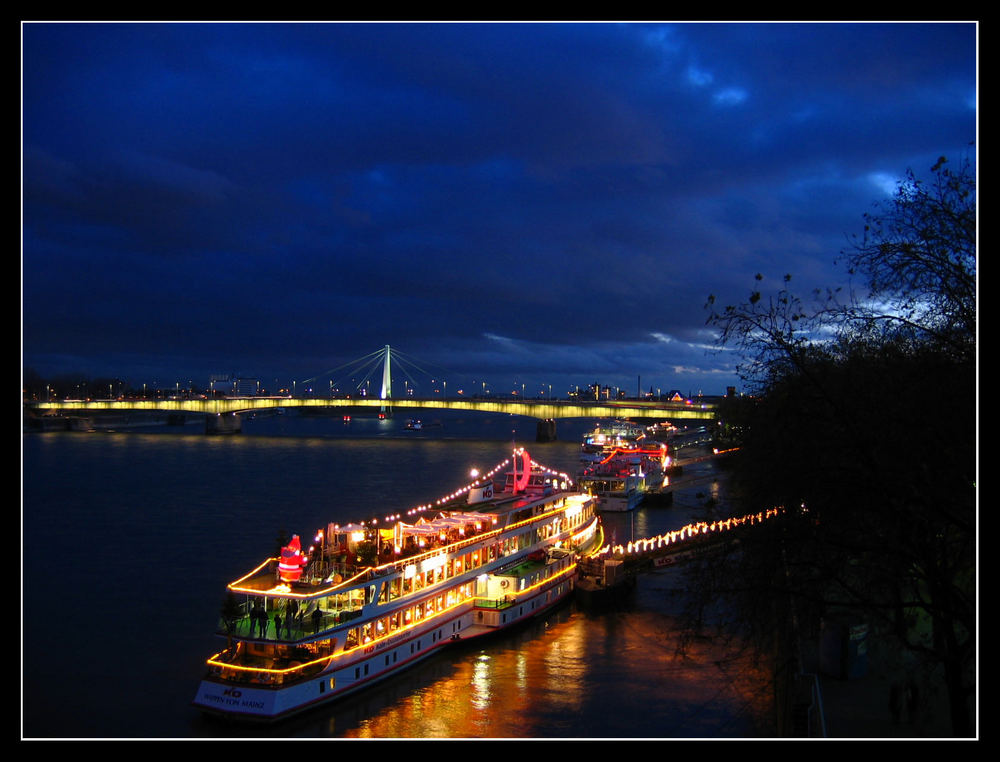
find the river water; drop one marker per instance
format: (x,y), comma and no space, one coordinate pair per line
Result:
(129,538)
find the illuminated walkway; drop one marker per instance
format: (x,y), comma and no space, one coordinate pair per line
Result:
(681,542)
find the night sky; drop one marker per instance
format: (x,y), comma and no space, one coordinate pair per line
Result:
(507,204)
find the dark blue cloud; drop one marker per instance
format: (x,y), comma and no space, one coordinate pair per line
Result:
(540,203)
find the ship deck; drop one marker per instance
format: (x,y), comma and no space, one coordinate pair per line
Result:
(300,628)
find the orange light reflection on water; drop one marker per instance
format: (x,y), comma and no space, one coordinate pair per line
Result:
(615,675)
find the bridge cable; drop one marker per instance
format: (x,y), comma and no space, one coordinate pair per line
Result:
(371,369)
(353,364)
(401,364)
(375,358)
(396,355)
(346,364)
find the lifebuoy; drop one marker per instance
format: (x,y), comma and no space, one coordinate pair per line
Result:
(504,583)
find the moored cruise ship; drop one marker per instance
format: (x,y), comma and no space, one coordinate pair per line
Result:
(370,600)
(608,437)
(627,476)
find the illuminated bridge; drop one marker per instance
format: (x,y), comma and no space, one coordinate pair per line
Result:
(223,414)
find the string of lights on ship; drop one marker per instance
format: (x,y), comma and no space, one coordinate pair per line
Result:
(479,480)
(645,545)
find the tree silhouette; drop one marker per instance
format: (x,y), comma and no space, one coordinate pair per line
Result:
(863,428)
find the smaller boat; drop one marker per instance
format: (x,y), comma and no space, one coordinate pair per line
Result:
(604,582)
(412,425)
(662,432)
(608,437)
(626,477)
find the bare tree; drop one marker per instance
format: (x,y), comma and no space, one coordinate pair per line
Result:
(880,496)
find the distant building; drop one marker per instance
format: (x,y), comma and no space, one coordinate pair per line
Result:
(247,387)
(221,385)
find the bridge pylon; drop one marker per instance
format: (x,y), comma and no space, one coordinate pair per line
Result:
(386,393)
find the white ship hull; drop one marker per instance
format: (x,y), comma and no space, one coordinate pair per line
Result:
(620,502)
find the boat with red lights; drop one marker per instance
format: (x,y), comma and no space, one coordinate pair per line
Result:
(662,432)
(627,476)
(368,600)
(607,437)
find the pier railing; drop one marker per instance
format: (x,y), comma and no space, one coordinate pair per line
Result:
(686,538)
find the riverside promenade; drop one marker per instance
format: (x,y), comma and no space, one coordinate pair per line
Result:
(861,707)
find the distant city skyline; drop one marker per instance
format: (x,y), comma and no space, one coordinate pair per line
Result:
(75,386)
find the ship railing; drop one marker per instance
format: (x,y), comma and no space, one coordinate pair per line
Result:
(399,565)
(510,598)
(261,579)
(496,604)
(302,625)
(280,672)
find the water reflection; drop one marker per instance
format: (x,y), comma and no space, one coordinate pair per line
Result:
(182,514)
(574,675)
